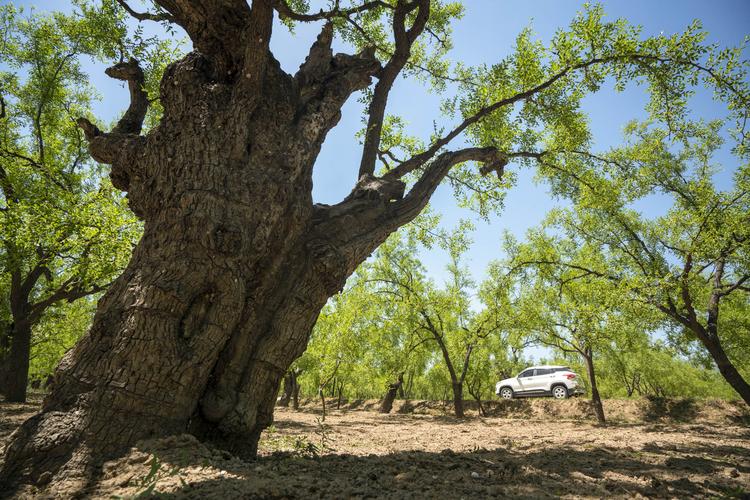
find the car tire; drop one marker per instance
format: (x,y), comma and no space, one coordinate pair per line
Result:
(560,392)
(506,393)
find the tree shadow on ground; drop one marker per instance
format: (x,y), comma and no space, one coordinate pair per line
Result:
(502,472)
(359,423)
(654,409)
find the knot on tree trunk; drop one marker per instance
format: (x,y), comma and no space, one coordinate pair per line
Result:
(329,264)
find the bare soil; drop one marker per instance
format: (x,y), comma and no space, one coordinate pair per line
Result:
(523,449)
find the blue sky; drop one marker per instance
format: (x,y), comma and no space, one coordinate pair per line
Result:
(485,35)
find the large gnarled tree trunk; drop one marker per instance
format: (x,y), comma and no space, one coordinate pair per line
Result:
(236,261)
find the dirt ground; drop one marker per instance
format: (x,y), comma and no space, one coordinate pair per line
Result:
(522,449)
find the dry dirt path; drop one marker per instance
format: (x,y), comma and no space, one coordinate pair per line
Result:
(363,454)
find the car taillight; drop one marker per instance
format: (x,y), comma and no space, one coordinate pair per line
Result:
(570,376)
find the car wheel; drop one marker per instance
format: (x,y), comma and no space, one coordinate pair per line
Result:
(506,393)
(559,392)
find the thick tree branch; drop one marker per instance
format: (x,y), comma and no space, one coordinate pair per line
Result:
(285,11)
(258,37)
(378,205)
(405,210)
(327,82)
(409,64)
(672,312)
(131,72)
(404,39)
(318,61)
(67,291)
(145,16)
(31,279)
(120,147)
(465,368)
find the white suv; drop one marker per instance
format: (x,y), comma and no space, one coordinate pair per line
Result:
(556,381)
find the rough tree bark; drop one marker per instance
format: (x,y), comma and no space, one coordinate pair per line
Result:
(387,405)
(236,261)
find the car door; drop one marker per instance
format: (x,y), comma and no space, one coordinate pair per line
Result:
(541,379)
(525,380)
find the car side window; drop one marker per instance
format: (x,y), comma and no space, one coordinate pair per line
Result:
(542,371)
(526,373)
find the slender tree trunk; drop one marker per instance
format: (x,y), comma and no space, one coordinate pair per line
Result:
(291,390)
(286,395)
(295,394)
(16,363)
(637,384)
(629,384)
(725,366)
(321,393)
(341,394)
(477,395)
(387,405)
(595,398)
(407,393)
(709,334)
